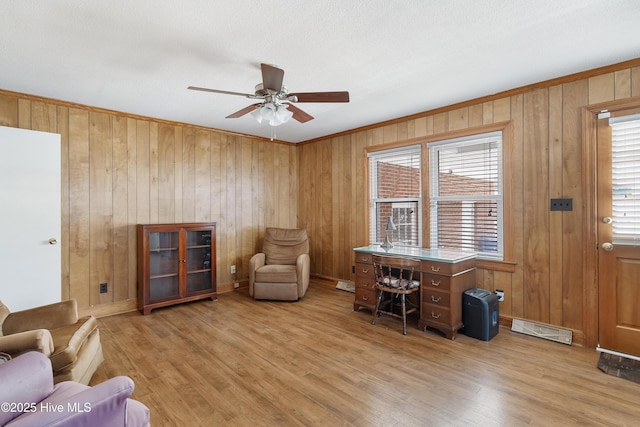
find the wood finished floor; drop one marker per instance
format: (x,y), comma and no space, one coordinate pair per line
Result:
(316,362)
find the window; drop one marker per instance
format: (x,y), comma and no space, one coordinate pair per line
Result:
(465,200)
(625,179)
(396,194)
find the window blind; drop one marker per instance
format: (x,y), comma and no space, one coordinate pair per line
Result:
(395,180)
(466,194)
(625,179)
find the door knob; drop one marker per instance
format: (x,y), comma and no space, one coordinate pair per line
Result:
(53,241)
(607,246)
(607,220)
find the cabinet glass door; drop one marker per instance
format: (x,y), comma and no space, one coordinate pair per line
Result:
(199,261)
(164,281)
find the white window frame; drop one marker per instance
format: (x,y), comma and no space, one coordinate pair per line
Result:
(434,183)
(376,201)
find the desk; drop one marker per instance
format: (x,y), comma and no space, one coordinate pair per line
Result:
(444,276)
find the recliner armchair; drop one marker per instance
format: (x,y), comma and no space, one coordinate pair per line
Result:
(71,343)
(281,271)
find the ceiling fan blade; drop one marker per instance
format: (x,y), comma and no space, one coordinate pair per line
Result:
(298,114)
(226,92)
(242,112)
(272,77)
(322,96)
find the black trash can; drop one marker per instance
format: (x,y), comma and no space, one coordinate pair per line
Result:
(480,314)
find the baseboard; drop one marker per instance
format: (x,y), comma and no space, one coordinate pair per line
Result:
(132,304)
(330,282)
(229,286)
(110,309)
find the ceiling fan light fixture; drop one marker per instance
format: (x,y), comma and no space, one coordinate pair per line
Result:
(283,113)
(275,114)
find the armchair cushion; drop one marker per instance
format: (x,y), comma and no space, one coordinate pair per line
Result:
(277,274)
(282,246)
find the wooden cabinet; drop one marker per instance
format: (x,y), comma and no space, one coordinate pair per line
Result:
(441,287)
(444,277)
(176,263)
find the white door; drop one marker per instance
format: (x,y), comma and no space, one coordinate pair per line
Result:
(30,211)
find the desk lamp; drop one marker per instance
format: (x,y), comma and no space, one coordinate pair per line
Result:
(391,227)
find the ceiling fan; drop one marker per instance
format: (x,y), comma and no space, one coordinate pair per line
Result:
(276,103)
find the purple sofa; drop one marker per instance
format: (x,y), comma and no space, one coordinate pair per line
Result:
(28,397)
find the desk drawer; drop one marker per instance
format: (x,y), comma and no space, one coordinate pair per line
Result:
(435,313)
(436,267)
(437,298)
(365,270)
(447,268)
(365,296)
(364,258)
(435,281)
(365,282)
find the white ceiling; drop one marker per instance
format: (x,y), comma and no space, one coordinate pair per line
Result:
(395,57)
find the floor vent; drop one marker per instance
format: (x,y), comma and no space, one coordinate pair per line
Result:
(541,330)
(346,286)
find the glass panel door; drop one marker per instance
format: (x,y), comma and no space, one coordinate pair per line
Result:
(199,261)
(163,265)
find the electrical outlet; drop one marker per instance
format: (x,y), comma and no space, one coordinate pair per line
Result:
(500,294)
(561,204)
(104,288)
(236,285)
(233,269)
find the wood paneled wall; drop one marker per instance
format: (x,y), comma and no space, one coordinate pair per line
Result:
(119,170)
(547,284)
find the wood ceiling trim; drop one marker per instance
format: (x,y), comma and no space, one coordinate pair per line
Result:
(69,104)
(508,93)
